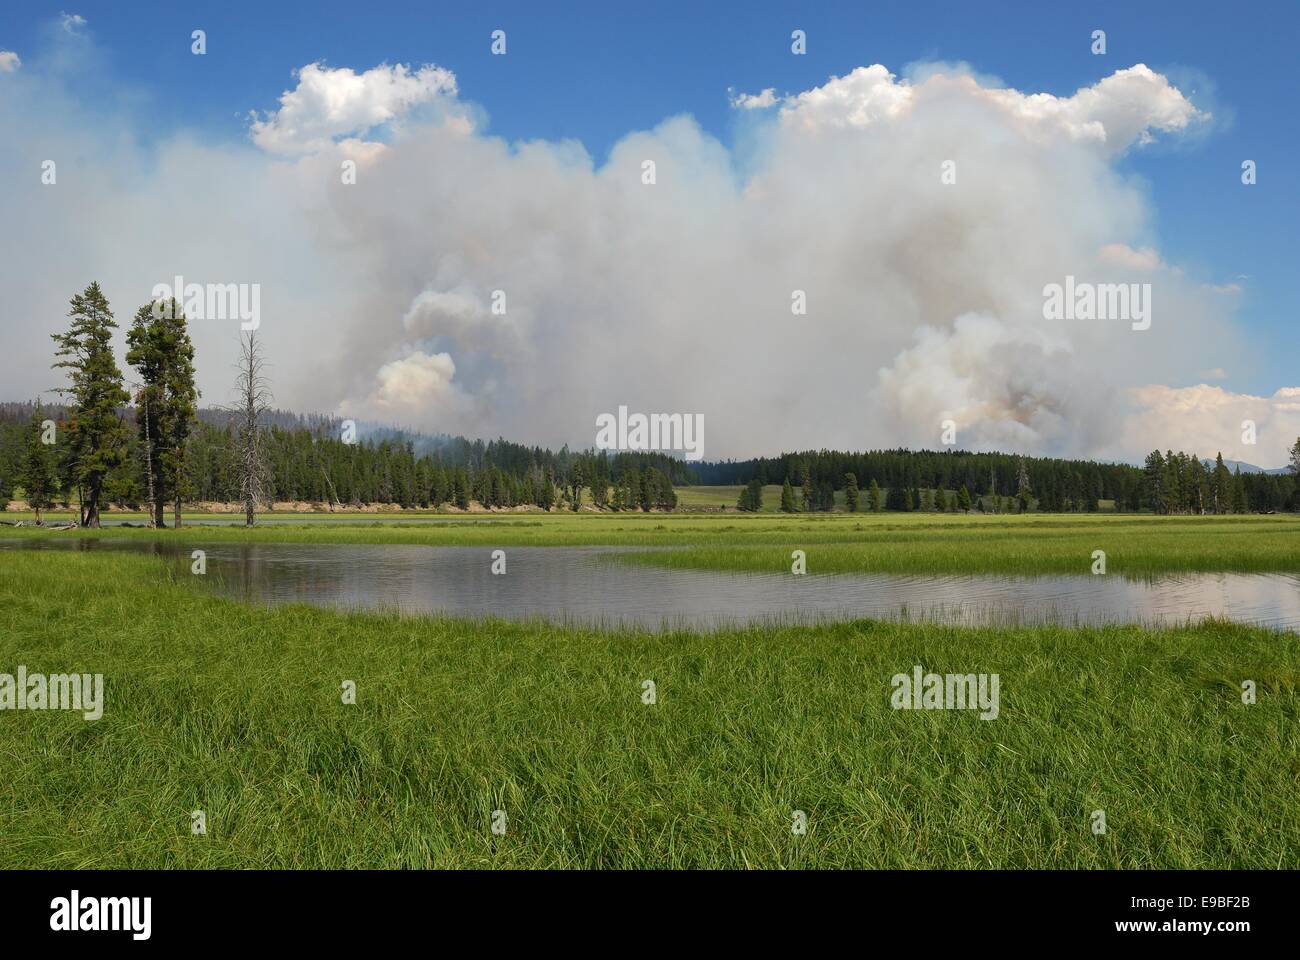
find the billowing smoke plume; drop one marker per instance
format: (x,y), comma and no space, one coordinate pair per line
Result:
(467,284)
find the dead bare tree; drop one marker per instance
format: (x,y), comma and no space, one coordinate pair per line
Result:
(254,401)
(329,488)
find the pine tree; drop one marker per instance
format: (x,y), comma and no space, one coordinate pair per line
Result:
(647,493)
(37,475)
(751,498)
(1153,481)
(460,488)
(599,491)
(159,347)
(1023,492)
(1239,502)
(1173,483)
(548,490)
(665,495)
(851,493)
(97,436)
(631,489)
(963,499)
(787,497)
(1221,485)
(875,499)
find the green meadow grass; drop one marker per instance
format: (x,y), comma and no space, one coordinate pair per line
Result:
(718,497)
(1135,544)
(236,710)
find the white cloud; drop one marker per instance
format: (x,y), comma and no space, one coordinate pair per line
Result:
(9,61)
(923,297)
(71,22)
(865,96)
(754,101)
(1116,112)
(330,103)
(1206,420)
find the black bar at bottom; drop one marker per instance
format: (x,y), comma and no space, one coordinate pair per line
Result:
(334,909)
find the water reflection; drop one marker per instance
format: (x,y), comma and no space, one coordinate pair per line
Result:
(589,585)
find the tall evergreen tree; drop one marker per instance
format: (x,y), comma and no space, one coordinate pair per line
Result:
(1153,480)
(665,495)
(851,493)
(577,488)
(787,497)
(751,498)
(97,435)
(37,476)
(963,499)
(1023,491)
(159,347)
(1221,486)
(874,498)
(1239,502)
(894,497)
(548,490)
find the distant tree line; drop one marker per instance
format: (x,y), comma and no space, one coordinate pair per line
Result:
(306,459)
(905,480)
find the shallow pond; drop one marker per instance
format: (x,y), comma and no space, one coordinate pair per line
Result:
(591,585)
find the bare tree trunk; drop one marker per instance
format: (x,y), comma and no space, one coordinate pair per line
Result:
(329,486)
(92,511)
(254,400)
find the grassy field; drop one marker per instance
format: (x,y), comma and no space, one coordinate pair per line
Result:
(718,497)
(235,710)
(1135,544)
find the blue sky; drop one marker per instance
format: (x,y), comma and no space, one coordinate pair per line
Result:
(597,71)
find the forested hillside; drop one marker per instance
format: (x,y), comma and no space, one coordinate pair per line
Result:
(1168,483)
(308,461)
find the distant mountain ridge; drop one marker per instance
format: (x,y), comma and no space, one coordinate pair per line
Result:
(1247,467)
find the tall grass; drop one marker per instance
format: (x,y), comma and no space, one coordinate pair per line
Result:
(236,710)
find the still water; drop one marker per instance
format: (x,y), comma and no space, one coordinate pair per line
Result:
(591,585)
